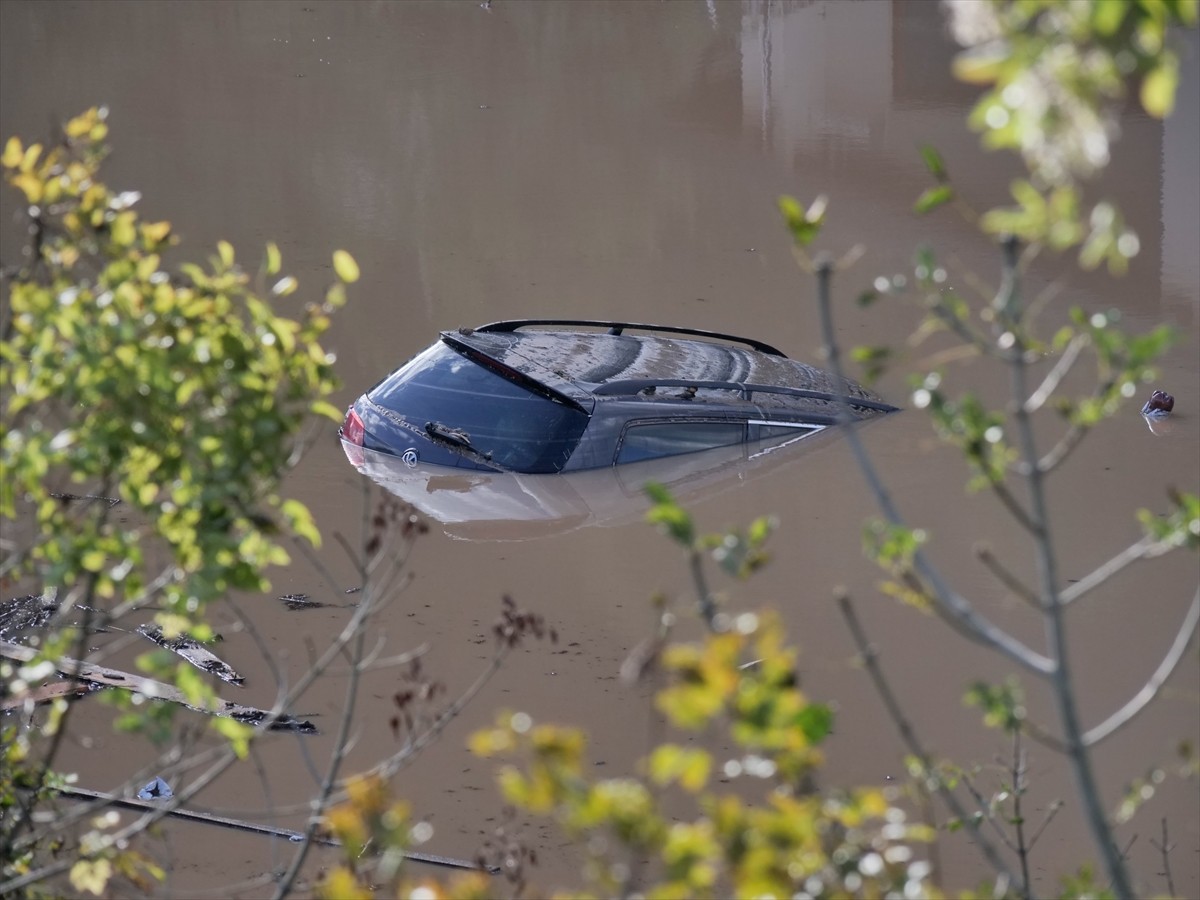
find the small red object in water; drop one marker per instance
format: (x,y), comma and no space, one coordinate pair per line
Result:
(1160,404)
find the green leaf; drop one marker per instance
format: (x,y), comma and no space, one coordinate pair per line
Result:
(816,721)
(804,225)
(225,249)
(274,261)
(933,198)
(1158,88)
(237,733)
(328,410)
(669,516)
(933,162)
(300,520)
(345,266)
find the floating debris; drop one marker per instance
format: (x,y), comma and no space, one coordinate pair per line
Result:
(191,650)
(156,790)
(26,613)
(56,690)
(70,498)
(301,601)
(1159,405)
(158,690)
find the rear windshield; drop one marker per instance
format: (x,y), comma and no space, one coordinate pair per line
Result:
(520,429)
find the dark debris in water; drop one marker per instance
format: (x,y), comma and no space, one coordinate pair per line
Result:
(88,498)
(301,601)
(1159,405)
(21,614)
(193,652)
(250,716)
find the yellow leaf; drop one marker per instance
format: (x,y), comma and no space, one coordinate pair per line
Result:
(81,124)
(13,153)
(980,66)
(342,883)
(31,186)
(301,521)
(274,261)
(345,266)
(91,875)
(237,733)
(1158,89)
(29,160)
(155,232)
(226,250)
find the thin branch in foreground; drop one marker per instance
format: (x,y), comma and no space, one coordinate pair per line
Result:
(1146,548)
(869,656)
(1018,786)
(1150,689)
(1055,376)
(1050,814)
(252,827)
(976,626)
(1165,849)
(1005,577)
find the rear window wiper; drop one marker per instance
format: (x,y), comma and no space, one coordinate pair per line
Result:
(460,441)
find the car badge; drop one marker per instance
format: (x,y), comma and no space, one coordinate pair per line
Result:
(410,457)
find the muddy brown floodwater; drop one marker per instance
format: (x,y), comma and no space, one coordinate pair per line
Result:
(623,161)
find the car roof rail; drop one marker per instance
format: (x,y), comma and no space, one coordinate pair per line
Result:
(509,325)
(630,386)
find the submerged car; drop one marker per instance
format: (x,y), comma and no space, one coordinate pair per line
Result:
(538,396)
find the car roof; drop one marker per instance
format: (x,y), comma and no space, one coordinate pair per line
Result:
(581,364)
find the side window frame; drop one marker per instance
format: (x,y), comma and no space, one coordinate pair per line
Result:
(676,421)
(803,430)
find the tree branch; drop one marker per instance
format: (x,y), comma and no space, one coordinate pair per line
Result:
(1150,689)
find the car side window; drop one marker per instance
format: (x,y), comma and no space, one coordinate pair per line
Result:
(653,440)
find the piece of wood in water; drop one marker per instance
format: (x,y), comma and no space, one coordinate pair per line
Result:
(158,690)
(53,691)
(194,652)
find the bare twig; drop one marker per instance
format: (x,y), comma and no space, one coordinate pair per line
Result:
(869,656)
(1146,548)
(956,606)
(1055,376)
(708,604)
(1007,578)
(1164,850)
(357,625)
(1050,814)
(1018,790)
(1009,303)
(1150,689)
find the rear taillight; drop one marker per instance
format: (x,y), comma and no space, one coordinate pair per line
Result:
(352,433)
(352,428)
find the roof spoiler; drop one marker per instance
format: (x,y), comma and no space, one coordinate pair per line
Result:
(510,325)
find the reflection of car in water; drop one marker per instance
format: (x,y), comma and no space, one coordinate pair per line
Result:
(477,505)
(544,396)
